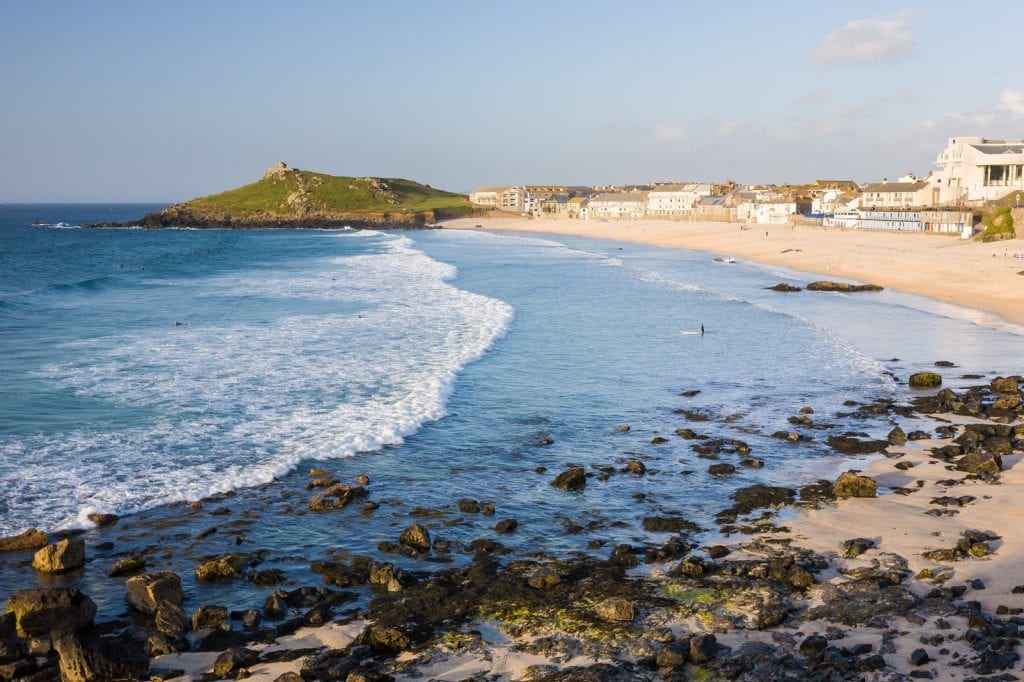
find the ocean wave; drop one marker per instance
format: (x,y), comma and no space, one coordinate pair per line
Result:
(238,405)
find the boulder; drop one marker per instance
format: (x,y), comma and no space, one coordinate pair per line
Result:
(469,506)
(30,539)
(336,497)
(125,566)
(573,478)
(924,380)
(841,286)
(415,536)
(615,610)
(206,617)
(170,619)
(703,647)
(89,657)
(850,484)
(146,592)
(226,567)
(234,660)
(897,436)
(1007,401)
(104,519)
(40,611)
(857,546)
(66,555)
(1004,385)
(784,287)
(721,469)
(506,526)
(978,462)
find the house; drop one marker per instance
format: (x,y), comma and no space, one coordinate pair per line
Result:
(618,206)
(714,209)
(674,200)
(886,194)
(553,206)
(575,207)
(501,197)
(973,170)
(779,211)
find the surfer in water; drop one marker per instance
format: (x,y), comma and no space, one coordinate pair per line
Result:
(702,329)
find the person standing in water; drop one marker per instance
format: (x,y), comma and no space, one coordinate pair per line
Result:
(702,329)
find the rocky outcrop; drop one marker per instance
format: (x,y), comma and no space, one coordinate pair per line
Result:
(66,555)
(924,380)
(850,484)
(90,657)
(148,591)
(30,539)
(841,286)
(38,612)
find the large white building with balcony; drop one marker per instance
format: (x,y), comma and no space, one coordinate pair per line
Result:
(977,169)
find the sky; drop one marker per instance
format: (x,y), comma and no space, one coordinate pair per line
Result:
(165,101)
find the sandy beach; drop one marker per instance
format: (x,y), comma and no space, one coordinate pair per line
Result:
(942,267)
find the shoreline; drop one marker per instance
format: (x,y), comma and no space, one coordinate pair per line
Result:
(970,274)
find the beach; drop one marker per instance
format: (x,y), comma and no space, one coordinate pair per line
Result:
(982,276)
(459,453)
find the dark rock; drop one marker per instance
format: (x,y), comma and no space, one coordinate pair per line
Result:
(506,526)
(784,287)
(813,646)
(170,619)
(721,469)
(658,440)
(275,607)
(673,655)
(924,380)
(978,462)
(30,539)
(102,520)
(668,524)
(841,287)
(573,478)
(40,611)
(703,647)
(854,446)
(87,656)
(416,536)
(251,619)
(127,565)
(615,609)
(268,578)
(897,436)
(761,496)
(1004,385)
(624,555)
(336,497)
(857,546)
(919,657)
(206,617)
(230,662)
(635,466)
(468,506)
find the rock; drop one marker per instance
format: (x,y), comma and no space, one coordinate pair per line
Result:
(919,657)
(1010,401)
(506,526)
(148,591)
(615,609)
(978,462)
(544,579)
(275,607)
(170,619)
(721,469)
(853,446)
(659,440)
(857,546)
(363,479)
(210,617)
(850,484)
(1004,385)
(66,555)
(336,497)
(415,536)
(30,539)
(761,496)
(385,639)
(784,287)
(230,662)
(924,380)
(226,567)
(668,524)
(635,466)
(703,647)
(841,286)
(673,655)
(125,566)
(813,646)
(897,436)
(40,611)
(573,478)
(623,428)
(268,578)
(623,555)
(91,657)
(468,506)
(102,520)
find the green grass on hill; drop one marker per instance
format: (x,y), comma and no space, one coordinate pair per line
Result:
(321,192)
(998,224)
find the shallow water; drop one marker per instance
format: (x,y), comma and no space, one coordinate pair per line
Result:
(436,362)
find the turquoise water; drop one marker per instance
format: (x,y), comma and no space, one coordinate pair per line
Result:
(145,368)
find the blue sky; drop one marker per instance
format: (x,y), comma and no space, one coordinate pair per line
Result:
(140,101)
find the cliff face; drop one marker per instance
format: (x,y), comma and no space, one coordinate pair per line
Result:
(288,197)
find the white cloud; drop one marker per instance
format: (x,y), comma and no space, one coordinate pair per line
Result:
(1012,102)
(669,134)
(867,41)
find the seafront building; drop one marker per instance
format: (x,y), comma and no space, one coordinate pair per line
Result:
(675,201)
(972,170)
(618,206)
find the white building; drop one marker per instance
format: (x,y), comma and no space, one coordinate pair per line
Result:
(509,198)
(778,211)
(675,200)
(977,169)
(618,206)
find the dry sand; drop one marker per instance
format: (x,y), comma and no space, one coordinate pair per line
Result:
(942,267)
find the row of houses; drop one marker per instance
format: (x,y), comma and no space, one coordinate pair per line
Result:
(969,172)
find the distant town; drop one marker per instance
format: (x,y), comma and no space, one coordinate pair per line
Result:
(971,173)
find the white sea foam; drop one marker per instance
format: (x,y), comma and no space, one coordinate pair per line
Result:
(239,404)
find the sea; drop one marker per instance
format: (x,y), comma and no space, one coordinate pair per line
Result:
(143,371)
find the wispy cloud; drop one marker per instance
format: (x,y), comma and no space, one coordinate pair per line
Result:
(867,41)
(1011,102)
(668,134)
